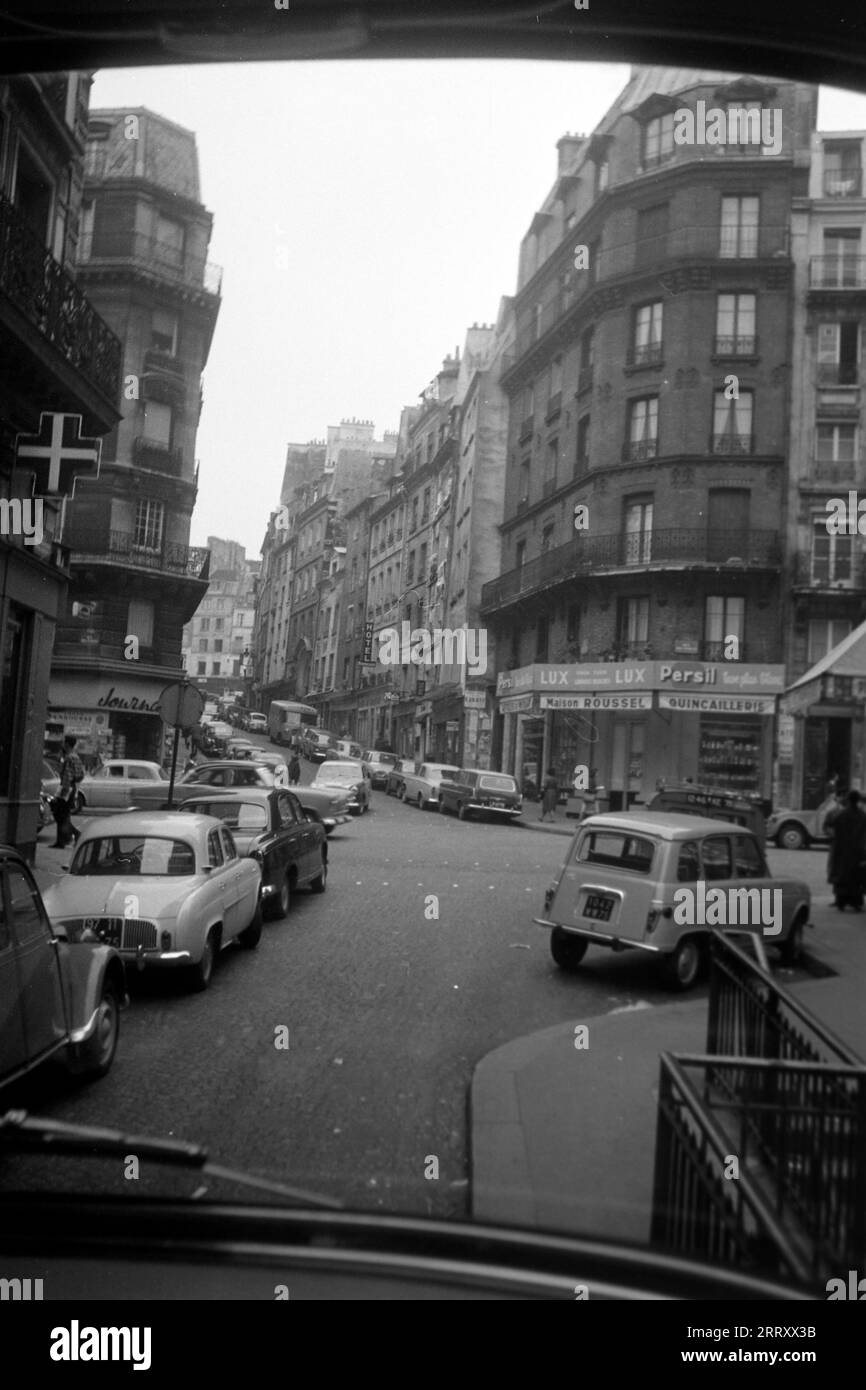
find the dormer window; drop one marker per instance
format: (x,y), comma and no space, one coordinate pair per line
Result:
(658,139)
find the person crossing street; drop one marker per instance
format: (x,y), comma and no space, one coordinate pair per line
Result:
(71,774)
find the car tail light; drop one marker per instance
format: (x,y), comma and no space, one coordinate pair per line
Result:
(165,941)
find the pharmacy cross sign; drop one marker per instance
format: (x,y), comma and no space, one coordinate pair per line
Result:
(57,454)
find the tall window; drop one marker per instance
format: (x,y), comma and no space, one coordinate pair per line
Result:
(139,621)
(739,227)
(652,231)
(735,323)
(157,422)
(837,443)
(524,481)
(520,555)
(163,331)
(838,353)
(555,377)
(724,617)
(551,461)
(169,241)
(643,428)
(732,423)
(633,622)
(647,340)
(842,171)
(542,638)
(658,140)
(824,635)
(841,260)
(587,348)
(832,556)
(581,460)
(638,531)
(547,538)
(149,520)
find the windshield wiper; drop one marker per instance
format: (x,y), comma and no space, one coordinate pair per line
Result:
(25,1134)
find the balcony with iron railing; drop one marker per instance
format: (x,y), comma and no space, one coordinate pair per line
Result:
(676,548)
(40,289)
(837,374)
(837,272)
(156,456)
(644,355)
(639,450)
(831,573)
(124,549)
(833,471)
(731,443)
(843,183)
(161,258)
(735,345)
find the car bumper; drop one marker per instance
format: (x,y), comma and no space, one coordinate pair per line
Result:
(167,959)
(495,810)
(613,943)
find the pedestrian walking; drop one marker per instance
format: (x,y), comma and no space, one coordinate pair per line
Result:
(550,800)
(847,857)
(71,774)
(294,771)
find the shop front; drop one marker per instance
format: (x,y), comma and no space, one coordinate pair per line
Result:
(629,726)
(447,727)
(111,718)
(822,735)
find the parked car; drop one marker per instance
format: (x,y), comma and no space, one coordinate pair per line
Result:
(798,829)
(478,792)
(380,765)
(272,826)
(256,723)
(620,875)
(239,748)
(395,778)
(421,788)
(351,778)
(112,786)
(692,799)
(317,745)
(222,773)
(166,889)
(57,1000)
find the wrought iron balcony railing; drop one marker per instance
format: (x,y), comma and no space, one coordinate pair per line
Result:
(843,183)
(837,374)
(162,258)
(735,345)
(676,547)
(45,294)
(838,572)
(837,272)
(644,355)
(639,450)
(833,471)
(729,443)
(152,453)
(122,548)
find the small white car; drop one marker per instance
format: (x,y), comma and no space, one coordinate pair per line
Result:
(257,724)
(351,778)
(166,889)
(421,788)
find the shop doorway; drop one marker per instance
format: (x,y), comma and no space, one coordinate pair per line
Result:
(826,754)
(627,763)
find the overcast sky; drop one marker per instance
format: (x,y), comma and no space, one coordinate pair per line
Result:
(396,195)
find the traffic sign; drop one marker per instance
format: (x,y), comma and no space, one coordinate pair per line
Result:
(181,705)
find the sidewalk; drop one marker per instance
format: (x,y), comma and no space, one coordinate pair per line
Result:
(531,820)
(564,1138)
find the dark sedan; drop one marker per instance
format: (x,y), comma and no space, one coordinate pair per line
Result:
(475,791)
(272,827)
(394,781)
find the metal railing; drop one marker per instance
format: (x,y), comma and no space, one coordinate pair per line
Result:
(121,547)
(839,183)
(788,1098)
(735,344)
(838,374)
(837,272)
(645,355)
(818,573)
(162,258)
(40,289)
(586,555)
(152,453)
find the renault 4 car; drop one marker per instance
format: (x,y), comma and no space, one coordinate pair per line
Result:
(659,883)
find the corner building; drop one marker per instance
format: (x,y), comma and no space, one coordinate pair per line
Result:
(649,383)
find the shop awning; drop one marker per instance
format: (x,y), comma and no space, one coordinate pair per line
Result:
(847,660)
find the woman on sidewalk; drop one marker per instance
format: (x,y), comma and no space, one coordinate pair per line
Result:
(847,854)
(550,800)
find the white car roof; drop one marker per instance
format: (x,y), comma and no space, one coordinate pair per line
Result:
(177,824)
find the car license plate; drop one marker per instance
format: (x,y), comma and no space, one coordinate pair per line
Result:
(498,805)
(597,907)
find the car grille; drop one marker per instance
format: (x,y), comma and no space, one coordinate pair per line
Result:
(126,933)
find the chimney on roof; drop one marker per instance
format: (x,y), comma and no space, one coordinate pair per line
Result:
(568,147)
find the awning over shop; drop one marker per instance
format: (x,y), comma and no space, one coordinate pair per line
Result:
(844,662)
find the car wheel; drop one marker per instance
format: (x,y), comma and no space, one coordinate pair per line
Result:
(442,807)
(682,967)
(567,950)
(462,813)
(790,835)
(401,792)
(200,973)
(420,802)
(97,1055)
(791,949)
(252,935)
(282,901)
(320,882)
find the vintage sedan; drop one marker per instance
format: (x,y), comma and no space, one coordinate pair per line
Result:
(394,780)
(318,745)
(351,778)
(659,882)
(272,827)
(57,1000)
(111,787)
(223,773)
(476,792)
(421,788)
(380,764)
(799,829)
(256,723)
(165,889)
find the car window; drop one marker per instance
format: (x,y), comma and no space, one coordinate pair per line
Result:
(228,844)
(689,863)
(140,774)
(495,783)
(5,933)
(748,860)
(214,850)
(716,855)
(114,771)
(616,848)
(28,917)
(286,811)
(249,816)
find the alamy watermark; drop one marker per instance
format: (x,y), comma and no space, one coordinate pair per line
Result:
(22,516)
(729,907)
(738,125)
(438,646)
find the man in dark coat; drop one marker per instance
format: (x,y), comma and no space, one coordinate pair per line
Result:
(845,863)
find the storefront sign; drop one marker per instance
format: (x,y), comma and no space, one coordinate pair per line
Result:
(599,702)
(516,704)
(597,677)
(452,726)
(140,697)
(785,734)
(475,699)
(80,722)
(716,704)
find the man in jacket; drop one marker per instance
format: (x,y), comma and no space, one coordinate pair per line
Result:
(71,774)
(847,854)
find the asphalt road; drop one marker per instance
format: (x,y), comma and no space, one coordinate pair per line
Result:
(420,958)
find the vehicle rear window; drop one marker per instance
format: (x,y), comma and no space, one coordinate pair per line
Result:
(497,784)
(618,849)
(125,856)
